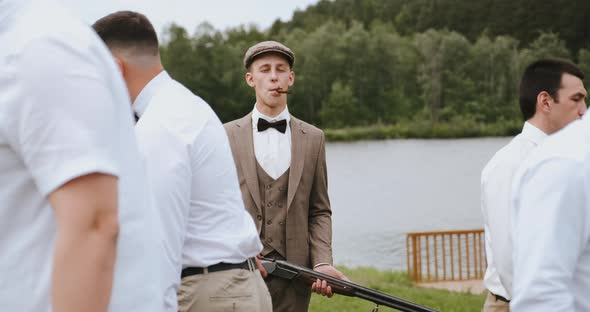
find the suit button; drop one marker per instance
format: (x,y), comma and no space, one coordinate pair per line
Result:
(268,187)
(281,223)
(259,217)
(269,204)
(269,240)
(269,222)
(280,205)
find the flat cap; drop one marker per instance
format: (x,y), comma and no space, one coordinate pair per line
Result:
(265,47)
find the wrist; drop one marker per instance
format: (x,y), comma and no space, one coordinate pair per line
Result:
(320,264)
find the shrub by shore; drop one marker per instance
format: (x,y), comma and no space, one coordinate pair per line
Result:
(426,130)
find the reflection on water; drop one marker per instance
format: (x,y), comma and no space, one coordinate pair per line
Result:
(380,190)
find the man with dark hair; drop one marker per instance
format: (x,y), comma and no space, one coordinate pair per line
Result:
(77,232)
(550,98)
(548,76)
(282,169)
(209,237)
(551,217)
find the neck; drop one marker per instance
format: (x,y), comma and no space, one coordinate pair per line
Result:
(140,79)
(270,111)
(541,123)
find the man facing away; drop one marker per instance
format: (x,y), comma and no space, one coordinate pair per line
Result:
(282,171)
(210,239)
(551,217)
(549,100)
(76,231)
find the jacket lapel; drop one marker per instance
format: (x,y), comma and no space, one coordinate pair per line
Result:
(247,157)
(298,145)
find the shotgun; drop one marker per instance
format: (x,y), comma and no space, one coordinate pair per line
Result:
(289,271)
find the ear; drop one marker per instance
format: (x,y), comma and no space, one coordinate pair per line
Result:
(249,79)
(544,102)
(121,65)
(291,78)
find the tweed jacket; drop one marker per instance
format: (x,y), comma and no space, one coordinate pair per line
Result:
(309,216)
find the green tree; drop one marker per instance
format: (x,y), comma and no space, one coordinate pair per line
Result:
(177,54)
(442,73)
(546,45)
(584,63)
(319,61)
(392,62)
(494,70)
(341,108)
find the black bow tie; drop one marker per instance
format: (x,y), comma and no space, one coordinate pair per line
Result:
(280,125)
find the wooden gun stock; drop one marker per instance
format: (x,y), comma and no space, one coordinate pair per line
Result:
(283,269)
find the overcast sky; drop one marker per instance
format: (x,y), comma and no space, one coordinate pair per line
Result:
(220,13)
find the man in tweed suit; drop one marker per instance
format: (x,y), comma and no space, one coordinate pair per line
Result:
(282,172)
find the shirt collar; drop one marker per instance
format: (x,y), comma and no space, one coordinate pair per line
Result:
(257,114)
(533,133)
(145,96)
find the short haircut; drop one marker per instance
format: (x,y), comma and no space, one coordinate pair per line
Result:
(128,30)
(543,75)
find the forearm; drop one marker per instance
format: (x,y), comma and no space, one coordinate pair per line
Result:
(83,269)
(320,235)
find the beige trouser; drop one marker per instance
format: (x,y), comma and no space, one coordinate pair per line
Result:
(495,305)
(230,290)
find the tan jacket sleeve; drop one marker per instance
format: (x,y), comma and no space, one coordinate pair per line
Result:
(320,213)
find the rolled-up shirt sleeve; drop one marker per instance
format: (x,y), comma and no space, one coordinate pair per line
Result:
(62,115)
(549,231)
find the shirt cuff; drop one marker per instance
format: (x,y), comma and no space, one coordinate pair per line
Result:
(320,264)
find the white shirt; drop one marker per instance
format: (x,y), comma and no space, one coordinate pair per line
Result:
(496,180)
(551,224)
(271,147)
(64,113)
(195,181)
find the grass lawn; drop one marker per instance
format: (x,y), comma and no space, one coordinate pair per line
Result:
(396,284)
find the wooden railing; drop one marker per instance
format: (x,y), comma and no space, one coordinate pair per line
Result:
(446,255)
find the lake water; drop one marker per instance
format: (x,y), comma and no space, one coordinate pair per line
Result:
(380,190)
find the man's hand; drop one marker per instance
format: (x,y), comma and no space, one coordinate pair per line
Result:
(321,287)
(261,267)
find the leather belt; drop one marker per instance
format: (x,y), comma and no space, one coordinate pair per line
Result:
(249,264)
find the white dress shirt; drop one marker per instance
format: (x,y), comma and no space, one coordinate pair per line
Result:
(271,147)
(65,113)
(496,180)
(551,224)
(194,180)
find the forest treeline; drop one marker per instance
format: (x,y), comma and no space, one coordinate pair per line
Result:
(361,63)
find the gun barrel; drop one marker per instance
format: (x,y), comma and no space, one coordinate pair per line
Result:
(290,271)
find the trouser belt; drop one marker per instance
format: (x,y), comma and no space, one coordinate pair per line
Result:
(249,264)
